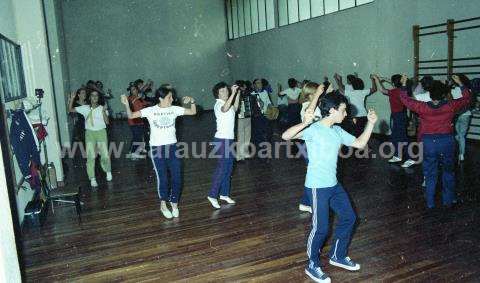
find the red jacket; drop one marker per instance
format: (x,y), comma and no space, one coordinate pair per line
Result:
(436,119)
(136,104)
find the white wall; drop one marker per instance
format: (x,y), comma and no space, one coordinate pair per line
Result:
(7,23)
(9,268)
(57,54)
(118,41)
(31,36)
(22,21)
(375,37)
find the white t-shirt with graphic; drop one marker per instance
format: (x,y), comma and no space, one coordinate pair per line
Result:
(93,117)
(162,123)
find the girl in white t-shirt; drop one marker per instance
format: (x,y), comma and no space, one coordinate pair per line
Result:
(225,107)
(96,121)
(161,118)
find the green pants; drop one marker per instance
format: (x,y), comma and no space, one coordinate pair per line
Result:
(93,140)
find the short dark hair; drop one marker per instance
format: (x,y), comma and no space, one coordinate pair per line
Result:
(438,90)
(240,83)
(101,99)
(357,84)
(426,82)
(396,80)
(331,100)
(138,82)
(292,82)
(465,80)
(216,88)
(162,92)
(351,78)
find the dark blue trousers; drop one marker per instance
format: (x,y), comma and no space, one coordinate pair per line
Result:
(164,158)
(322,200)
(399,138)
(223,172)
(137,137)
(305,200)
(439,149)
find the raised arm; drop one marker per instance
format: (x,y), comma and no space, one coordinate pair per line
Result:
(373,89)
(71,100)
(280,90)
(362,140)
(296,131)
(341,86)
(380,85)
(134,115)
(316,96)
(236,104)
(463,101)
(193,107)
(412,104)
(230,100)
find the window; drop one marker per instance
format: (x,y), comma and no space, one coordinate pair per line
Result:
(345,4)
(282,12)
(11,71)
(262,15)
(330,6)
(317,8)
(292,11)
(246,17)
(304,11)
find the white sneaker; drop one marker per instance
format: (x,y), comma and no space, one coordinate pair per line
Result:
(93,183)
(394,159)
(175,211)
(165,211)
(305,208)
(227,199)
(408,163)
(109,176)
(214,202)
(461,157)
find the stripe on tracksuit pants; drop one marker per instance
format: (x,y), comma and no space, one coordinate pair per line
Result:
(156,174)
(314,223)
(323,199)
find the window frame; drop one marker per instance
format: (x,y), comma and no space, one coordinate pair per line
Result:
(11,71)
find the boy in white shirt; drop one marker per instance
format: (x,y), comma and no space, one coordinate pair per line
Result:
(225,108)
(161,118)
(292,93)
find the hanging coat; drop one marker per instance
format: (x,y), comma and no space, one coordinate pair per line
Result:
(25,145)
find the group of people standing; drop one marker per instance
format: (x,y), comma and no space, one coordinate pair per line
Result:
(314,113)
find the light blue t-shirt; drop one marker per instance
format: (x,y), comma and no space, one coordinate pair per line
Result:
(323,145)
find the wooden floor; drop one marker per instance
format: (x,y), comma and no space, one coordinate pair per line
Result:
(262,238)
